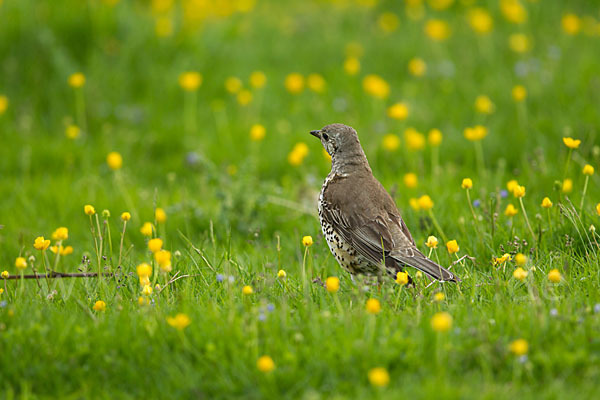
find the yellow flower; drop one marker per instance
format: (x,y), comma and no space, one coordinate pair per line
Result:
(484,105)
(441,322)
(190,81)
(257,132)
(316,83)
(571,24)
(567,186)
(332,284)
(294,83)
(160,215)
(519,191)
(379,377)
(414,203)
(155,244)
(376,86)
(144,270)
(244,97)
(588,170)
(571,143)
(401,278)
(3,104)
(398,111)
(143,301)
(510,211)
(307,241)
(114,160)
(298,153)
(467,183)
(147,290)
(179,322)
(373,306)
(144,280)
(163,26)
(247,290)
(388,22)
(502,260)
(554,276)
(520,259)
(72,132)
(265,364)
(439,297)
(281,274)
(546,203)
(520,274)
(163,259)
(99,306)
(519,93)
(21,263)
(147,229)
(513,11)
(89,209)
(440,5)
(352,65)
(233,84)
(40,243)
(511,185)
(76,80)
(434,137)
(391,142)
(425,202)
(598,208)
(519,43)
(61,233)
(414,139)
(452,246)
(417,67)
(63,251)
(480,20)
(437,29)
(431,242)
(476,133)
(410,180)
(5,275)
(258,79)
(519,347)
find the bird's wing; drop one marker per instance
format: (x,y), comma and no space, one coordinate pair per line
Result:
(379,233)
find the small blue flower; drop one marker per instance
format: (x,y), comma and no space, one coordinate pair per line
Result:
(523,359)
(270,307)
(2,303)
(554,312)
(476,203)
(262,317)
(597,308)
(231,278)
(220,277)
(503,194)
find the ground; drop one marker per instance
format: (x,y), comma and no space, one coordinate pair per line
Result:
(194,116)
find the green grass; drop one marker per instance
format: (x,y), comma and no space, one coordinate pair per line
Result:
(249,224)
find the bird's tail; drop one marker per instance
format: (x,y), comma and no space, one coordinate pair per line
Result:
(424,264)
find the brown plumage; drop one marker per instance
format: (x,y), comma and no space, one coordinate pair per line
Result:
(361,223)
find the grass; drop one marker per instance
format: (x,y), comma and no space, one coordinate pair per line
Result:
(237,209)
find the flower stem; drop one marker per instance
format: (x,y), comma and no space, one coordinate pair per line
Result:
(437,225)
(585,185)
(527,219)
(473,213)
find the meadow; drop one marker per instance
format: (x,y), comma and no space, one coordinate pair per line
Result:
(165,145)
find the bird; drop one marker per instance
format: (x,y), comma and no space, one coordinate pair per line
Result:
(360,221)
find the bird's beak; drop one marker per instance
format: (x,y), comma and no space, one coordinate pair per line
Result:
(316,134)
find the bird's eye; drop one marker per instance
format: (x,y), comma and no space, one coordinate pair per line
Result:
(325,136)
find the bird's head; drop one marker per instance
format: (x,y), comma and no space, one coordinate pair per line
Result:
(339,140)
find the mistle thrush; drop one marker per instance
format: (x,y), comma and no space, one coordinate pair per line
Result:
(361,223)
